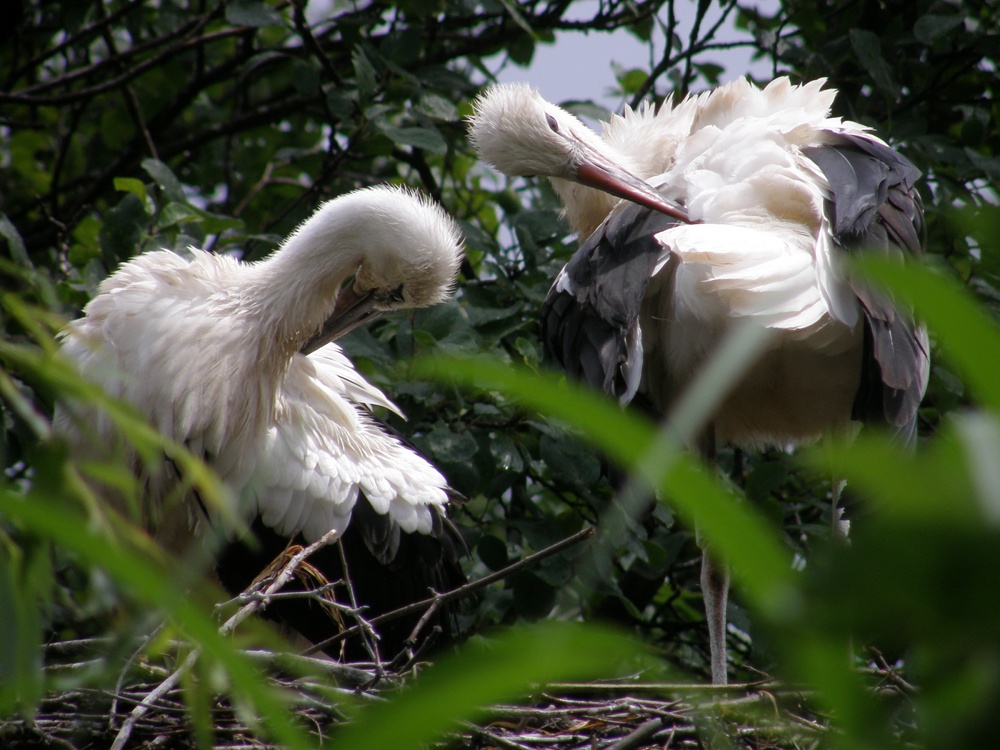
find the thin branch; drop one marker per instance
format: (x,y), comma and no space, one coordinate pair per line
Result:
(464,590)
(639,735)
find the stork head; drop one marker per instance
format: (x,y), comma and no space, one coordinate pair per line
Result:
(521,134)
(412,254)
(407,250)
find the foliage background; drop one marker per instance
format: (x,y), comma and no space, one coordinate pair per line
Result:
(130,125)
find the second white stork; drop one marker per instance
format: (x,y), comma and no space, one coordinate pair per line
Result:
(210,349)
(772,194)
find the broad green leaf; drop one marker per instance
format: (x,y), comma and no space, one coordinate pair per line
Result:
(150,581)
(493,552)
(166,179)
(25,579)
(928,29)
(23,147)
(183,213)
(631,80)
(514,11)
(868,48)
(15,244)
(954,480)
(306,77)
(570,460)
(737,533)
(342,103)
(253,13)
(450,446)
(177,213)
(364,73)
(426,137)
(123,228)
(521,49)
(137,188)
(436,106)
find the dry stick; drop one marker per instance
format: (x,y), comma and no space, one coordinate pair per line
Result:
(642,733)
(657,687)
(113,713)
(369,637)
(461,591)
(425,618)
(283,577)
(496,739)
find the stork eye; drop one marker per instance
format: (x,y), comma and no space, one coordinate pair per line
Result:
(553,125)
(396,295)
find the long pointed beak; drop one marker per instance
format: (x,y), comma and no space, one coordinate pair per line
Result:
(601,173)
(349,311)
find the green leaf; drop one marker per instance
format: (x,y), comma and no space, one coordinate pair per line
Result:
(364,74)
(24,146)
(631,80)
(505,453)
(14,242)
(514,11)
(306,77)
(426,137)
(124,226)
(177,213)
(155,584)
(166,179)
(451,447)
(341,103)
(928,29)
(25,576)
(437,107)
(869,51)
(493,552)
(183,213)
(570,460)
(736,531)
(521,49)
(134,186)
(253,13)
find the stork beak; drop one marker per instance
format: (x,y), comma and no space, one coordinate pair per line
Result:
(601,173)
(349,311)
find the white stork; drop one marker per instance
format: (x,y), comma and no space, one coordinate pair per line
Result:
(767,193)
(210,350)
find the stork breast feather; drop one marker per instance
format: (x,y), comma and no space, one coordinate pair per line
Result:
(324,449)
(768,275)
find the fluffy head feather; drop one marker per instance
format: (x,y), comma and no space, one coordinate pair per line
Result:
(520,134)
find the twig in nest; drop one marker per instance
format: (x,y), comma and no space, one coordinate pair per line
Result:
(168,684)
(462,591)
(369,636)
(638,736)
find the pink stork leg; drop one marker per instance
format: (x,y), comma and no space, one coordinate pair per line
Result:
(714,586)
(715,592)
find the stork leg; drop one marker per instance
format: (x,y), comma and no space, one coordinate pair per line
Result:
(714,585)
(715,592)
(840,525)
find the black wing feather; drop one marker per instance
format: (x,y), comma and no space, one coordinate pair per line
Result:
(875,207)
(591,327)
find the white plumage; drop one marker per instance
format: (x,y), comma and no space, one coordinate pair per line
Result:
(209,349)
(766,191)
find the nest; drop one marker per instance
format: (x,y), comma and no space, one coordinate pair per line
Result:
(156,703)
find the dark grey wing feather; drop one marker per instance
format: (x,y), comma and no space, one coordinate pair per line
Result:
(590,317)
(875,207)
